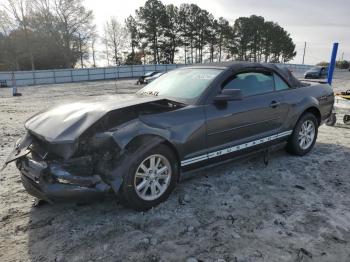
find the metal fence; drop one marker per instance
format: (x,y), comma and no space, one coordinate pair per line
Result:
(39,77)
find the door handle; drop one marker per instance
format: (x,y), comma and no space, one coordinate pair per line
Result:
(274,104)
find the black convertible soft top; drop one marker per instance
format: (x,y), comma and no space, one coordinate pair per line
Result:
(280,69)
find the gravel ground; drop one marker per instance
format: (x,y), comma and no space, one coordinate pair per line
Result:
(295,209)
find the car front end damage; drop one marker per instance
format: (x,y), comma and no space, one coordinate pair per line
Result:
(48,176)
(50,181)
(95,169)
(87,165)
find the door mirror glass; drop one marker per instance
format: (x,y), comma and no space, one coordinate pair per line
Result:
(228,95)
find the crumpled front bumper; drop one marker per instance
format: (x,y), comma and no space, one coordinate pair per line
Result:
(52,182)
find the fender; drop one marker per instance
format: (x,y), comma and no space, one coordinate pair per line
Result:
(301,107)
(132,129)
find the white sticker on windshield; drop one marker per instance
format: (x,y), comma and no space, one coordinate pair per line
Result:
(203,77)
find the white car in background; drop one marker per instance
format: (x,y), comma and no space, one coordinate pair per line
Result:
(149,79)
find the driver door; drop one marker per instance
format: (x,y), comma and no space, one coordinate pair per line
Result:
(259,114)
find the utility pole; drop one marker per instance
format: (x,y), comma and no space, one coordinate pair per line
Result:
(342,56)
(304,52)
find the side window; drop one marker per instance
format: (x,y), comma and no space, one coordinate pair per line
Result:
(279,83)
(251,83)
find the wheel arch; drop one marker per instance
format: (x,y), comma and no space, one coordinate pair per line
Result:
(139,140)
(315,111)
(135,146)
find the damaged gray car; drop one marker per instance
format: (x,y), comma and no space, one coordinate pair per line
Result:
(187,119)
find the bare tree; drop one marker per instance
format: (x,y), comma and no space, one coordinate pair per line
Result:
(104,41)
(116,37)
(75,28)
(94,38)
(19,11)
(6,23)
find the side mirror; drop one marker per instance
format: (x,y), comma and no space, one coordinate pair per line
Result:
(228,95)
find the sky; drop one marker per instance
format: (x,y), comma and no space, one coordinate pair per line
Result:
(319,23)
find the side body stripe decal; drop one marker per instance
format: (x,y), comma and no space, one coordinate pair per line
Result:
(234,148)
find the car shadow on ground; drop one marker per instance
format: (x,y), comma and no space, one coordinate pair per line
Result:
(103,230)
(342,126)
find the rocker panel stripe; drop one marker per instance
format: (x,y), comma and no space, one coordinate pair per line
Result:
(234,148)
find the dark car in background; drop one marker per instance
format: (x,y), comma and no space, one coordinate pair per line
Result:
(141,79)
(316,72)
(188,119)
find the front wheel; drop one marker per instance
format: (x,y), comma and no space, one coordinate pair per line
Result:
(151,179)
(304,135)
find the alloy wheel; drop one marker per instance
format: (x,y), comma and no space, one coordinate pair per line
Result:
(306,134)
(152,177)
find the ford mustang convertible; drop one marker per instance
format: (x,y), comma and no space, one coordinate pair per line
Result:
(190,118)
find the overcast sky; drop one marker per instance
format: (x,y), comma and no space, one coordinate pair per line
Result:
(320,23)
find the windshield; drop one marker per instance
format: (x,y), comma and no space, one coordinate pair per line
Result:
(183,84)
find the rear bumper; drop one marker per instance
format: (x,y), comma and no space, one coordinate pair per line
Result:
(51,182)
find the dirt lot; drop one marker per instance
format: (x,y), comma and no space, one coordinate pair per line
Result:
(295,209)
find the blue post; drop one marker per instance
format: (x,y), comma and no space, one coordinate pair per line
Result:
(332,63)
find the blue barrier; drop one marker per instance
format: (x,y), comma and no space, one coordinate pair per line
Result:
(332,63)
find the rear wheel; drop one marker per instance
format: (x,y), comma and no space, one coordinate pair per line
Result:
(304,135)
(151,179)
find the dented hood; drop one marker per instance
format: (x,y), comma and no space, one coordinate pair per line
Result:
(65,123)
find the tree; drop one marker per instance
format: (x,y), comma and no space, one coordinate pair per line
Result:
(131,26)
(282,46)
(186,35)
(267,40)
(171,38)
(323,63)
(194,21)
(134,59)
(6,23)
(43,34)
(74,25)
(46,34)
(224,34)
(20,10)
(94,37)
(219,34)
(201,29)
(212,38)
(240,45)
(151,21)
(258,40)
(342,64)
(116,38)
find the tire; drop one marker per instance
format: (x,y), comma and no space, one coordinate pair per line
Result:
(295,145)
(331,120)
(144,199)
(346,119)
